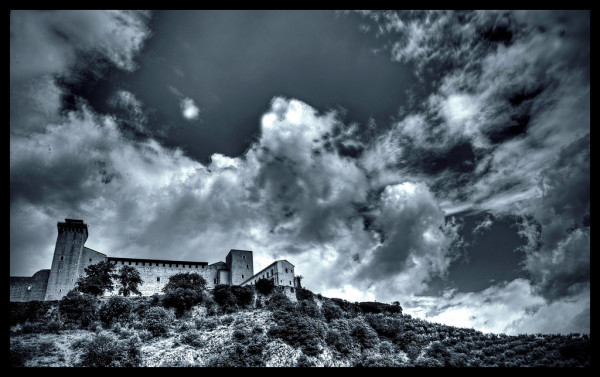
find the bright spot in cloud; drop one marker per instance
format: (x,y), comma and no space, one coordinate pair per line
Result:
(189,109)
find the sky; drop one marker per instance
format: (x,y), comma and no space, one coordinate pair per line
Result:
(436,158)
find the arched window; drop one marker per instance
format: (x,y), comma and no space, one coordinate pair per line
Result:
(242,276)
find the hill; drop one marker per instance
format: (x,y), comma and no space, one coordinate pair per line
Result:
(243,327)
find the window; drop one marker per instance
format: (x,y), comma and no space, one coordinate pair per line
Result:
(292,289)
(143,263)
(242,276)
(215,280)
(130,263)
(158,279)
(170,264)
(281,281)
(163,264)
(196,266)
(202,266)
(286,270)
(243,257)
(60,290)
(247,267)
(62,258)
(29,287)
(90,259)
(290,283)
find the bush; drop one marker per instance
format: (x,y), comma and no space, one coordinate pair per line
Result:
(310,309)
(243,294)
(186,280)
(192,338)
(379,307)
(279,301)
(21,312)
(363,334)
(106,350)
(304,294)
(331,311)
(157,320)
(224,296)
(115,309)
(206,323)
(388,327)
(264,286)
(79,308)
(298,331)
(340,341)
(182,299)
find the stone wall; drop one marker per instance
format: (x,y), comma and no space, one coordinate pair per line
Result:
(156,273)
(29,288)
(240,265)
(64,271)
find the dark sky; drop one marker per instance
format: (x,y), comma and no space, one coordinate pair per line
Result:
(437,158)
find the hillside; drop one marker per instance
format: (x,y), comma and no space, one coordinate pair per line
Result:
(242,329)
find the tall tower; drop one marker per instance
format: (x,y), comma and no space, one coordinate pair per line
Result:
(72,234)
(240,266)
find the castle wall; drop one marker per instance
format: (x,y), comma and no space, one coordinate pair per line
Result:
(155,273)
(29,288)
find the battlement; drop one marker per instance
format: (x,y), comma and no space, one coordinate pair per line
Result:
(72,225)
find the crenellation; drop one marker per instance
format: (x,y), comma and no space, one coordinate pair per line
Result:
(71,258)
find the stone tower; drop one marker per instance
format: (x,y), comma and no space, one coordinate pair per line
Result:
(240,266)
(72,234)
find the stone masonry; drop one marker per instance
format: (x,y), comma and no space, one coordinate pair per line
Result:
(71,258)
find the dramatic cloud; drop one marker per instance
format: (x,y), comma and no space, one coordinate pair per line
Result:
(189,109)
(501,130)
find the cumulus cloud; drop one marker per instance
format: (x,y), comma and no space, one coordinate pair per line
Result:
(189,109)
(484,225)
(509,307)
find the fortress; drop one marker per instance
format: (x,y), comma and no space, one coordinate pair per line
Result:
(71,258)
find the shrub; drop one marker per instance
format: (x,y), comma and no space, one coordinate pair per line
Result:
(310,309)
(182,299)
(105,350)
(206,323)
(243,294)
(264,286)
(388,327)
(363,334)
(192,338)
(224,296)
(186,280)
(331,311)
(298,331)
(21,312)
(115,309)
(279,301)
(379,307)
(340,341)
(79,308)
(157,320)
(304,294)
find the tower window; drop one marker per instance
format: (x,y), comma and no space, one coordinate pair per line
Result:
(90,259)
(242,276)
(62,258)
(247,267)
(158,279)
(286,270)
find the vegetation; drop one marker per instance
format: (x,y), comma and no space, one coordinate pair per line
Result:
(82,330)
(264,286)
(98,279)
(130,280)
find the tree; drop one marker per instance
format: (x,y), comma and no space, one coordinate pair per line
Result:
(264,286)
(129,278)
(98,279)
(186,280)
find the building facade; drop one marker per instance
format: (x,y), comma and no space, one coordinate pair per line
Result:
(71,257)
